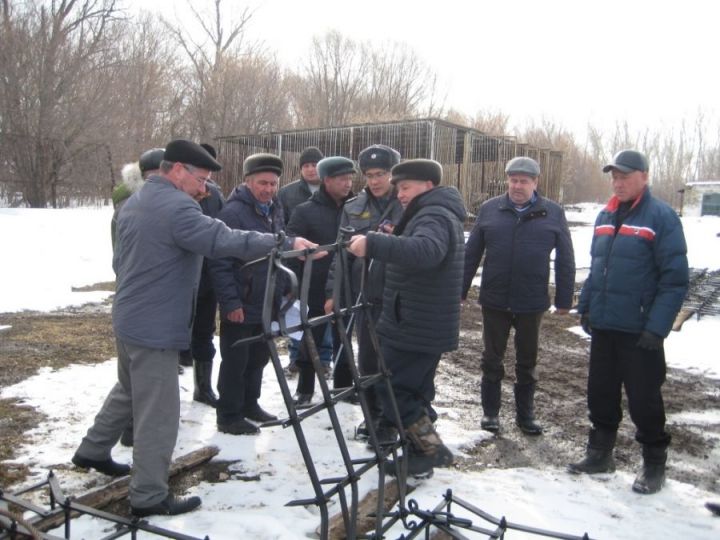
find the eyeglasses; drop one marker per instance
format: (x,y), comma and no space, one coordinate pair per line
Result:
(377,175)
(200,179)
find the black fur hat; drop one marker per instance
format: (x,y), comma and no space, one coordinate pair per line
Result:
(417,169)
(262,163)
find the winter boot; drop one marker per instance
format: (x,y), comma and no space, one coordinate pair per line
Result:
(490,398)
(424,452)
(651,477)
(599,454)
(525,409)
(203,384)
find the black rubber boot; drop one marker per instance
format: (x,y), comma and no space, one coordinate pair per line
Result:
(425,451)
(203,384)
(651,477)
(525,409)
(490,392)
(599,454)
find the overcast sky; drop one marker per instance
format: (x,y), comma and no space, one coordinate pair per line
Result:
(651,63)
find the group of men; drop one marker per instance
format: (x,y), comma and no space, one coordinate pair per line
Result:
(409,231)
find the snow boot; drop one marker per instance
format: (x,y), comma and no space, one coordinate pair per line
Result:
(651,477)
(425,451)
(525,409)
(203,383)
(490,399)
(599,454)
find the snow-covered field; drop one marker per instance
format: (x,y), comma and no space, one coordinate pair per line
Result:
(47,252)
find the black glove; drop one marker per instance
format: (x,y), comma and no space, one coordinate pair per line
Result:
(649,341)
(585,323)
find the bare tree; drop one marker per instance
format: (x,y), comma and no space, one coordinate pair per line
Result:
(53,60)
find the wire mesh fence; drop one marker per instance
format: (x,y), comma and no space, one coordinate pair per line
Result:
(472,161)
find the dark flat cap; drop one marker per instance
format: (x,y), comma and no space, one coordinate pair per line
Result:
(628,161)
(311,154)
(335,166)
(210,149)
(190,153)
(150,159)
(262,163)
(417,169)
(523,165)
(378,156)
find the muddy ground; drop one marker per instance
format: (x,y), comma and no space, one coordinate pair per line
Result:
(84,335)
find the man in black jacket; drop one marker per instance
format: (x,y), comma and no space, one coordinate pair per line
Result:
(376,208)
(252,206)
(290,196)
(517,232)
(420,317)
(319,218)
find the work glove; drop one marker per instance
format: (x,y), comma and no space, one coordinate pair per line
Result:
(585,323)
(649,341)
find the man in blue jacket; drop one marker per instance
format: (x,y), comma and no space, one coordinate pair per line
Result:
(517,232)
(162,236)
(252,206)
(420,316)
(637,283)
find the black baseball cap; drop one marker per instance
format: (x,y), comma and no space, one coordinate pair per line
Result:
(628,161)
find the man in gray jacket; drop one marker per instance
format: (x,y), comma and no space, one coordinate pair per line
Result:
(162,236)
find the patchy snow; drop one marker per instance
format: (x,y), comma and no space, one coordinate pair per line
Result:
(56,249)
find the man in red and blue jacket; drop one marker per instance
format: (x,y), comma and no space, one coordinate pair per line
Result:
(637,283)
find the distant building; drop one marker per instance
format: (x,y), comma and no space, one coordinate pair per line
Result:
(702,198)
(473,161)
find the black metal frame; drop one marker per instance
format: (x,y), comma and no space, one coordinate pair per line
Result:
(413,519)
(60,504)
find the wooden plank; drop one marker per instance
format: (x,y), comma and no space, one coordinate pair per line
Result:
(118,489)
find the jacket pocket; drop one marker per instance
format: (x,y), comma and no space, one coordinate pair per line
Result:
(396,308)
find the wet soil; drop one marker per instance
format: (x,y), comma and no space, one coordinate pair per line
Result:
(38,340)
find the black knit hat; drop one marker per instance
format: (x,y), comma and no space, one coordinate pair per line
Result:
(262,163)
(335,166)
(190,153)
(417,169)
(311,154)
(150,159)
(378,156)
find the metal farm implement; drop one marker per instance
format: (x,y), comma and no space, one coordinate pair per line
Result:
(343,485)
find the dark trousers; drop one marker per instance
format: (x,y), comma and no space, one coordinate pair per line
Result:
(203,329)
(241,370)
(342,375)
(413,383)
(496,330)
(616,361)
(368,356)
(306,375)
